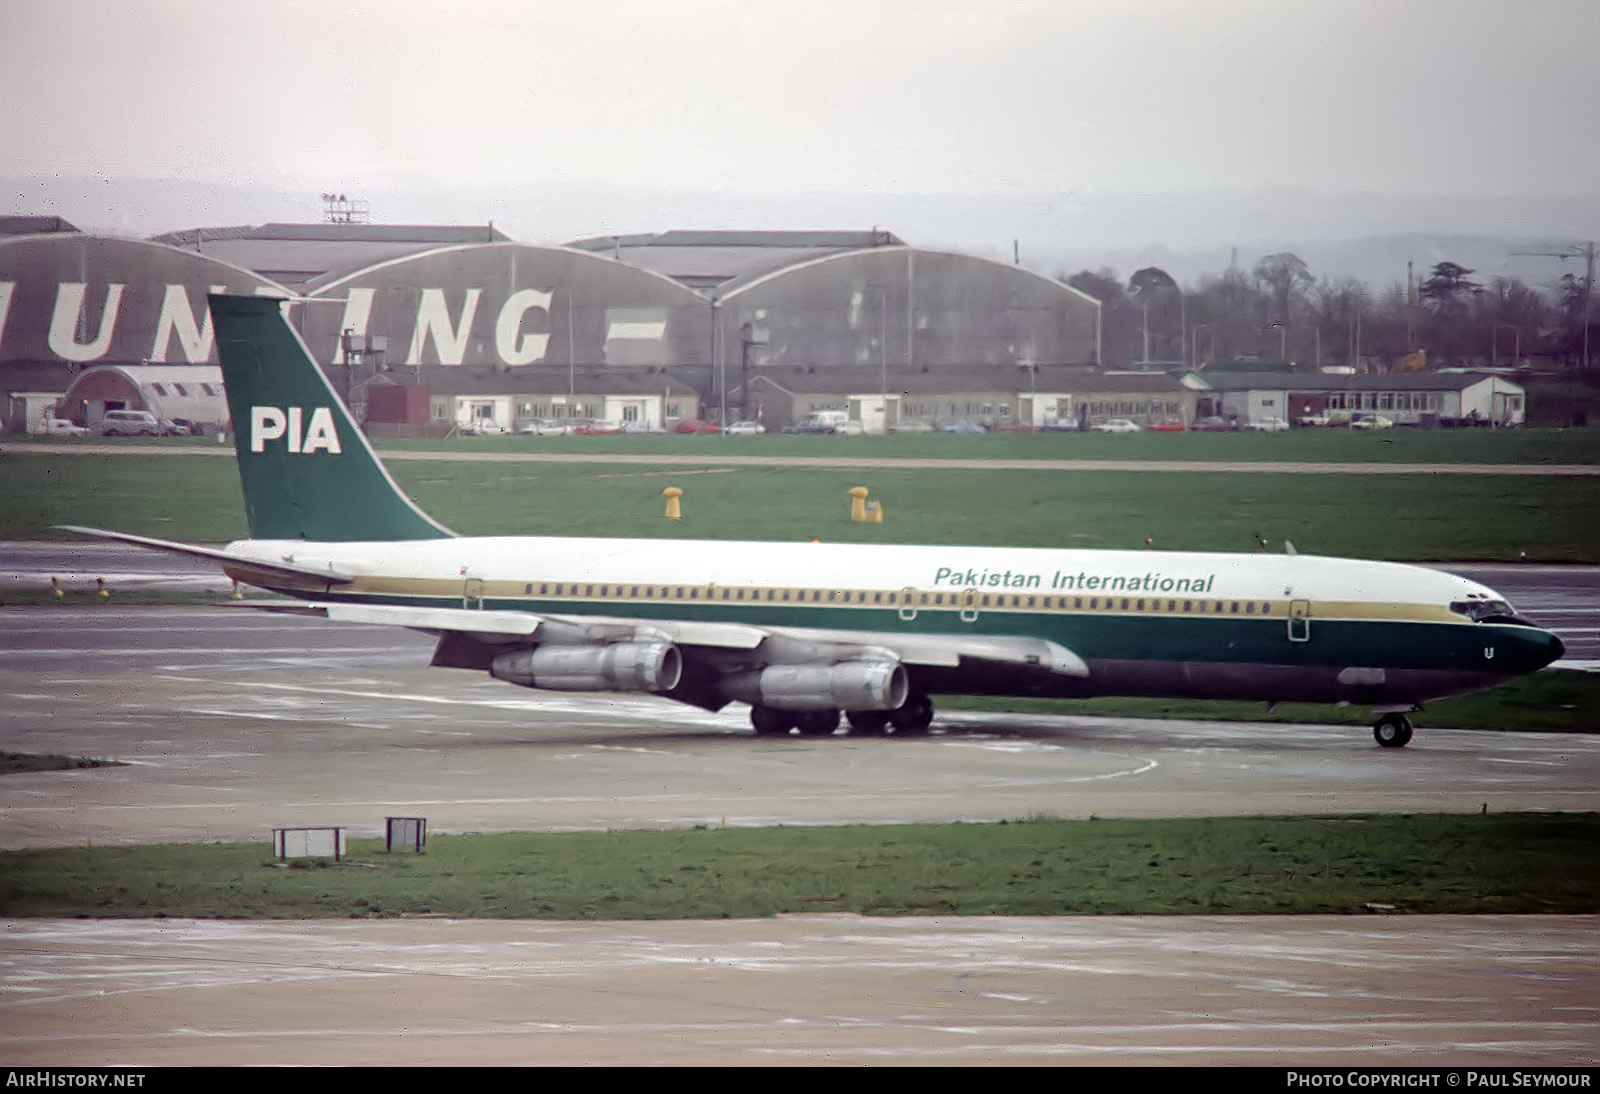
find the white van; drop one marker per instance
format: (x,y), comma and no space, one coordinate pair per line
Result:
(128,423)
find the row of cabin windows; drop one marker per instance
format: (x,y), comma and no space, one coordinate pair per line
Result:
(908,598)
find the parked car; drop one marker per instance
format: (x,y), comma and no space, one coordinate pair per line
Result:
(481,427)
(177,427)
(808,425)
(849,428)
(1167,425)
(911,426)
(637,428)
(1213,424)
(1320,418)
(60,427)
(545,427)
(1061,425)
(1267,425)
(695,425)
(595,428)
(1116,425)
(745,427)
(128,423)
(961,425)
(1368,421)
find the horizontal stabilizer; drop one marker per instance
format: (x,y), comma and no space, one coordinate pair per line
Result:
(284,568)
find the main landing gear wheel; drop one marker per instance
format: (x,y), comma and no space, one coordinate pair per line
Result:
(772,722)
(915,716)
(817,723)
(868,723)
(1393,731)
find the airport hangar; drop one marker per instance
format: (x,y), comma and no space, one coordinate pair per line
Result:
(469,323)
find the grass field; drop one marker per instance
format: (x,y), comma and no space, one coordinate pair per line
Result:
(1553,700)
(1511,446)
(1423,517)
(1298,865)
(1522,446)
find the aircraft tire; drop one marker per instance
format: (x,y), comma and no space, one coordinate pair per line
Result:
(817,723)
(868,723)
(915,716)
(771,722)
(1392,731)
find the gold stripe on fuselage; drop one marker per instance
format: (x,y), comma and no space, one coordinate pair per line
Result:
(627,592)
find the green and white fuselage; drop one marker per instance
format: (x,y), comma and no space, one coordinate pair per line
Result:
(1243,626)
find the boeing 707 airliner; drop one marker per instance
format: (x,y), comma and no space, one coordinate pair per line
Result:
(808,632)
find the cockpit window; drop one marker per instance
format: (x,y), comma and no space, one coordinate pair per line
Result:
(1478,610)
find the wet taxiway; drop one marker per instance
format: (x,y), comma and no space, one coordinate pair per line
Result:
(232,722)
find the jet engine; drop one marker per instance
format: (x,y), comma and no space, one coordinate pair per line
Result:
(621,666)
(848,685)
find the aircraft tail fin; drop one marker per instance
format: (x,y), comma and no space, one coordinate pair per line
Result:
(307,471)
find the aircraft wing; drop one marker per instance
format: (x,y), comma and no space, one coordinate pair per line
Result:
(783,644)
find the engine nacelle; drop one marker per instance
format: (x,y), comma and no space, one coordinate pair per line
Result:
(849,685)
(622,666)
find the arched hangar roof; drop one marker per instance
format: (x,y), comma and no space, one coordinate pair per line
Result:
(907,308)
(84,299)
(510,304)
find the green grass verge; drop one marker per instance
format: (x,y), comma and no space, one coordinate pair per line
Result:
(1434,517)
(1519,446)
(1554,700)
(1512,446)
(1296,865)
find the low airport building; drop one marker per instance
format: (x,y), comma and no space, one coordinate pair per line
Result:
(1003,398)
(1405,398)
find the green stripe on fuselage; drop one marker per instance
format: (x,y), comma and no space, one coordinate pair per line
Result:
(1392,644)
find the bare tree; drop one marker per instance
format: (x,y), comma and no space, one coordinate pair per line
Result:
(1287,277)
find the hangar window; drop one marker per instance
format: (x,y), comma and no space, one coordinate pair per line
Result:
(208,389)
(181,390)
(159,389)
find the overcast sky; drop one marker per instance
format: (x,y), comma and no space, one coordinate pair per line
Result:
(900,96)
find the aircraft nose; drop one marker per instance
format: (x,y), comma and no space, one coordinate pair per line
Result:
(1554,649)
